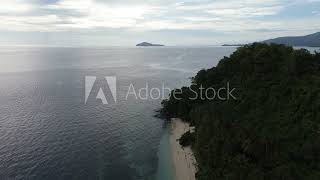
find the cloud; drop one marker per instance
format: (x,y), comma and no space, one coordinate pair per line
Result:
(221,16)
(317,13)
(72,14)
(230,4)
(97,14)
(14,6)
(148,15)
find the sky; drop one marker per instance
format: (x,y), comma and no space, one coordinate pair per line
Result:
(170,22)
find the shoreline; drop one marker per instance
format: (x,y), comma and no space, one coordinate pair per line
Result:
(183,160)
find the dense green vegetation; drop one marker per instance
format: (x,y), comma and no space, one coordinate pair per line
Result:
(187,139)
(271,131)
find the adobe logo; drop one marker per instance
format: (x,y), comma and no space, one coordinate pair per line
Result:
(107,92)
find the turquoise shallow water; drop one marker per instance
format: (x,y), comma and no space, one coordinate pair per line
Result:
(165,166)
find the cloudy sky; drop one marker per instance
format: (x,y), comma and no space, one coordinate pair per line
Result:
(171,22)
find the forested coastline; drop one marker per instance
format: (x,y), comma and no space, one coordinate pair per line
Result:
(271,130)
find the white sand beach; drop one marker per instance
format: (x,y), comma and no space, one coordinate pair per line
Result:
(183,159)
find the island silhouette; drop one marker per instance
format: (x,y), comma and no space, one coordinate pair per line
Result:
(148,44)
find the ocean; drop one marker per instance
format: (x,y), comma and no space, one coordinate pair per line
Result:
(48,131)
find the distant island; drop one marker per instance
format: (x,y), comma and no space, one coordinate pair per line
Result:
(148,44)
(311,40)
(233,44)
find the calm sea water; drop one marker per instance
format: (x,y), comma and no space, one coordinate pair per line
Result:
(47,132)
